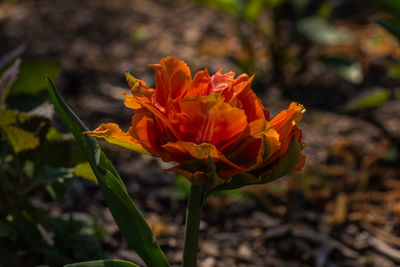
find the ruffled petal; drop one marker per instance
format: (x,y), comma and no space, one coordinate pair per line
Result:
(251,104)
(172,77)
(144,130)
(111,133)
(189,154)
(199,83)
(285,124)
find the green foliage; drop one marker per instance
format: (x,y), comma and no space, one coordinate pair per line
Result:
(131,223)
(348,69)
(391,24)
(30,79)
(103,263)
(369,99)
(181,188)
(321,32)
(83,170)
(20,139)
(35,159)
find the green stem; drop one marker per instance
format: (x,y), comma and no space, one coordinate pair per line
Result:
(195,203)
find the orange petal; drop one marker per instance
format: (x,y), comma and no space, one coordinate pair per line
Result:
(164,72)
(199,83)
(285,124)
(288,117)
(258,145)
(111,133)
(226,124)
(200,152)
(157,113)
(138,87)
(195,177)
(251,104)
(131,102)
(145,131)
(179,83)
(207,119)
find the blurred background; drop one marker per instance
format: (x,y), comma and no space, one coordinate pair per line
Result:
(339,58)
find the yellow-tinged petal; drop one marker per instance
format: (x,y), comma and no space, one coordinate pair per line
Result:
(131,101)
(130,79)
(111,133)
(203,152)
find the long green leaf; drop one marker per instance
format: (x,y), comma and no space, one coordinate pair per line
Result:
(131,223)
(103,263)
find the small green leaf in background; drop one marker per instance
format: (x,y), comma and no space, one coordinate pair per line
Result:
(103,263)
(370,99)
(392,69)
(8,117)
(349,70)
(392,25)
(321,32)
(325,10)
(53,135)
(181,188)
(83,170)
(30,79)
(390,6)
(253,9)
(20,139)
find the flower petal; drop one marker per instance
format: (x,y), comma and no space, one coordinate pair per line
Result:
(191,152)
(163,73)
(251,104)
(111,133)
(199,83)
(144,130)
(207,119)
(286,125)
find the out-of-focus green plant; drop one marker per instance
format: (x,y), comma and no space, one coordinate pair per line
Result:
(289,29)
(36,163)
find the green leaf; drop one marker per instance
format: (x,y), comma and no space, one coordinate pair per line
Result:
(253,9)
(369,99)
(390,6)
(54,135)
(321,32)
(8,117)
(285,163)
(231,6)
(20,139)
(30,80)
(103,263)
(349,70)
(181,188)
(131,223)
(83,170)
(392,25)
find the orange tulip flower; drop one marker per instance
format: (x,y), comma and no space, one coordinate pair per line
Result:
(192,120)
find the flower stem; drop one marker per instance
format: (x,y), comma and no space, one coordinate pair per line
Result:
(193,211)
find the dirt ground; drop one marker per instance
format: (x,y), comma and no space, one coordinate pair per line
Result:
(343,209)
